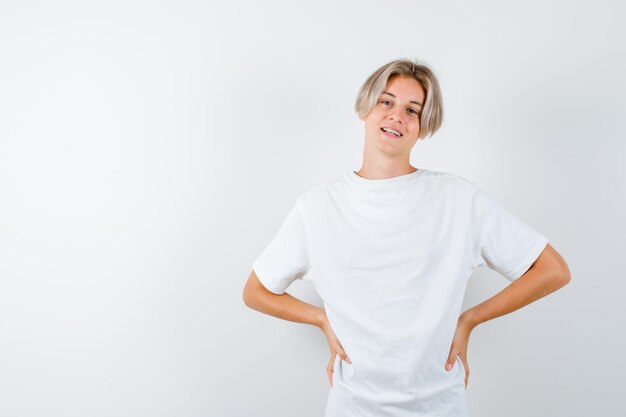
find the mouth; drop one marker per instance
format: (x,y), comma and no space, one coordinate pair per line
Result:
(391,132)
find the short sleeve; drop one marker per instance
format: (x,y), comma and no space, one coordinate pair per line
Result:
(500,240)
(287,256)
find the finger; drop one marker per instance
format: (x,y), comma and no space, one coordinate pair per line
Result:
(330,368)
(463,359)
(329,373)
(343,355)
(451,358)
(466,366)
(450,362)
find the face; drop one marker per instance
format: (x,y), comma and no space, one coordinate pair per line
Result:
(399,108)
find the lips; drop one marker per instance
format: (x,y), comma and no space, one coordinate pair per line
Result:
(393,135)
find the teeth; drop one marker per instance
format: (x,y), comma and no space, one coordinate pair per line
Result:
(395,132)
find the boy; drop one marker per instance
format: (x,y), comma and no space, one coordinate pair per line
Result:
(389,249)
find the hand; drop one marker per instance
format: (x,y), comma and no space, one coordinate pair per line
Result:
(334,346)
(459,343)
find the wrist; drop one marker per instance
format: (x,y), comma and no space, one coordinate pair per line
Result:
(320,318)
(469,318)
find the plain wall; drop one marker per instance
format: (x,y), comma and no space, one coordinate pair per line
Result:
(149,151)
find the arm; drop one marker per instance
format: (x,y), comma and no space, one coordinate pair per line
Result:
(547,274)
(283,306)
(286,307)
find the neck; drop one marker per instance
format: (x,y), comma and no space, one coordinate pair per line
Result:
(384,169)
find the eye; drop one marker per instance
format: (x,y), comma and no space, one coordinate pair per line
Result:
(413,110)
(385,101)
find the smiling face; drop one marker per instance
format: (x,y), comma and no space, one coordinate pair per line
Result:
(397,108)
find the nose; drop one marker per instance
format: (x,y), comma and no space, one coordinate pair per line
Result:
(393,115)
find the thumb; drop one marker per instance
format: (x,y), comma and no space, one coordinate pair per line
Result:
(450,362)
(343,355)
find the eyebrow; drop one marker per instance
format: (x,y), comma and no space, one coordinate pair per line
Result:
(387,92)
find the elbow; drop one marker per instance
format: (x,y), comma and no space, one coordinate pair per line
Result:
(553,263)
(244,298)
(247,295)
(255,294)
(563,273)
(251,295)
(566,276)
(253,291)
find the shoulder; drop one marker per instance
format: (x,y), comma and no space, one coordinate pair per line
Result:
(323,191)
(451,182)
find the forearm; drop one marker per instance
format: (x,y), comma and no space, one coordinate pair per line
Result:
(287,307)
(533,285)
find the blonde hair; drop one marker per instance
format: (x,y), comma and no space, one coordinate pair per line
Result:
(431,116)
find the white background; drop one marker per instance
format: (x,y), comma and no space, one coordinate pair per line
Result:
(150,150)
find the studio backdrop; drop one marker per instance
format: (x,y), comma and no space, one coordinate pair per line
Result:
(150,150)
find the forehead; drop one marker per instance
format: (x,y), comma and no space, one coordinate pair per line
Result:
(407,88)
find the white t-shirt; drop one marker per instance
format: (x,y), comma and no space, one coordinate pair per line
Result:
(390,258)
